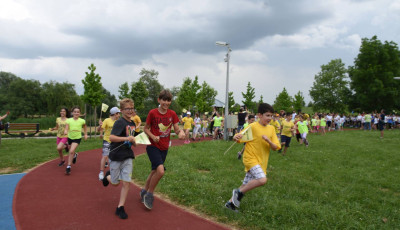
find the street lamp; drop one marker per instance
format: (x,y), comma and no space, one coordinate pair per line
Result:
(219,43)
(397,78)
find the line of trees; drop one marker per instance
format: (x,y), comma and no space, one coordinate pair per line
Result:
(368,85)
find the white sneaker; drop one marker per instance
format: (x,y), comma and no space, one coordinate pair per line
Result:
(101,175)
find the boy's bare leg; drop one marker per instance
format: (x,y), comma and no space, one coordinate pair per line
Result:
(124,193)
(252,185)
(147,185)
(155,178)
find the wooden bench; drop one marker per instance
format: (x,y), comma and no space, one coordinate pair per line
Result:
(19,129)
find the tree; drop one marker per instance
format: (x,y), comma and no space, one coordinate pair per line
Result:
(261,100)
(205,97)
(93,89)
(188,93)
(55,95)
(372,76)
(153,86)
(283,101)
(123,91)
(24,97)
(330,88)
(248,97)
(139,94)
(110,100)
(298,101)
(231,100)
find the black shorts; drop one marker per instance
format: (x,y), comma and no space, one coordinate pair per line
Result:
(136,133)
(381,125)
(286,140)
(70,141)
(329,123)
(156,156)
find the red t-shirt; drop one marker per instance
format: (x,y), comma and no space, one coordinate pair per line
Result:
(160,125)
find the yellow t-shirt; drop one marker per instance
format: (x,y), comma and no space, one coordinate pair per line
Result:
(257,150)
(136,120)
(107,126)
(286,128)
(188,121)
(61,127)
(276,125)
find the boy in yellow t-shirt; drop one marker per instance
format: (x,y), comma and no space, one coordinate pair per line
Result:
(256,154)
(107,126)
(274,122)
(138,122)
(287,132)
(187,125)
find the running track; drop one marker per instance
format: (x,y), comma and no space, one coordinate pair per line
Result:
(46,198)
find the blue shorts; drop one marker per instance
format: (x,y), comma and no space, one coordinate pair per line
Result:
(156,156)
(286,140)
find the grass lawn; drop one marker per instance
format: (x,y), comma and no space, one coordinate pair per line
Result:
(18,155)
(344,180)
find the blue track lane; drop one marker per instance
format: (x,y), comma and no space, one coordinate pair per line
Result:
(8,183)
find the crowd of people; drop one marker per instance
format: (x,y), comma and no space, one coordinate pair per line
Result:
(270,130)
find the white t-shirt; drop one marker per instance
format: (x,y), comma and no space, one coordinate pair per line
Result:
(328,118)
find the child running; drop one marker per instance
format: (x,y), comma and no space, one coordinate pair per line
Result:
(187,125)
(204,123)
(158,127)
(323,124)
(107,126)
(121,154)
(303,127)
(250,120)
(62,138)
(197,126)
(256,154)
(73,129)
(287,132)
(217,124)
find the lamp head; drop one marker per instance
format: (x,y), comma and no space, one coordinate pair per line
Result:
(219,43)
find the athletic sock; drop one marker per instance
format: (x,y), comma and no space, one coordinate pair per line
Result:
(69,166)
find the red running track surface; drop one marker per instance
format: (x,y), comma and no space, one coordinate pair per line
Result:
(46,198)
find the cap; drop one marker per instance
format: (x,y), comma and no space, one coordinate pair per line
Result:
(114,110)
(188,113)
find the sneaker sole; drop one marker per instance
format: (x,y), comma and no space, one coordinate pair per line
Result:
(233,200)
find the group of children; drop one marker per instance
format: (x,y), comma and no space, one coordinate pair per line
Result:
(269,131)
(200,126)
(119,137)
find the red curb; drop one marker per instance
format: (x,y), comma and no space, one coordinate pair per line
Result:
(46,198)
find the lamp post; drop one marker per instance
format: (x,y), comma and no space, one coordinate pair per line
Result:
(219,43)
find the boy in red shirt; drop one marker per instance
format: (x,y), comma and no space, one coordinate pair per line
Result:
(158,127)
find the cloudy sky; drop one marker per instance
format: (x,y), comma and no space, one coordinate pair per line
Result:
(275,43)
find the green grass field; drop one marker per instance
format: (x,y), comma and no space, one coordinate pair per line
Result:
(344,180)
(18,155)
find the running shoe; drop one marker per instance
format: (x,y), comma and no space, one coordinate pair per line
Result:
(121,212)
(105,180)
(61,163)
(148,200)
(106,165)
(68,171)
(101,175)
(229,205)
(236,197)
(142,193)
(75,157)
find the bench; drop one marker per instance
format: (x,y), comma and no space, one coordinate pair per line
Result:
(19,129)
